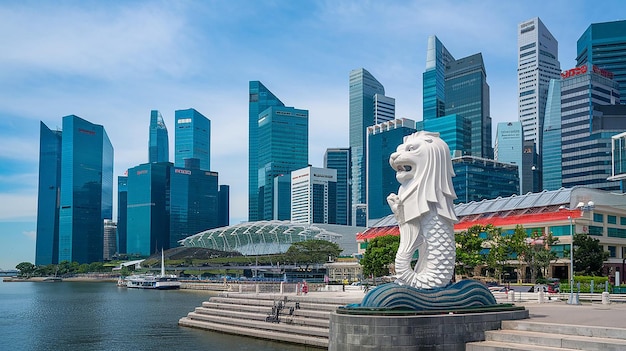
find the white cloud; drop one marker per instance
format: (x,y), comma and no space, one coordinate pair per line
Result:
(30,234)
(16,207)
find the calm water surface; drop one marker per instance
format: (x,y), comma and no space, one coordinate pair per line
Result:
(101,316)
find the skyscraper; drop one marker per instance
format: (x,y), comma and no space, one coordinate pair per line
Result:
(283,146)
(49,188)
(314,195)
(482,179)
(86,190)
(551,144)
(224,206)
(537,63)
(456,101)
(363,87)
(158,143)
(509,141)
(110,239)
(122,213)
(260,98)
(339,159)
(193,138)
(588,121)
(383,140)
(604,45)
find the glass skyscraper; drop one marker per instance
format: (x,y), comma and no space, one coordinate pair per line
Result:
(383,140)
(158,143)
(551,144)
(224,206)
(537,63)
(86,190)
(339,159)
(260,98)
(363,87)
(283,146)
(193,138)
(509,141)
(47,244)
(604,45)
(482,179)
(148,209)
(456,101)
(122,213)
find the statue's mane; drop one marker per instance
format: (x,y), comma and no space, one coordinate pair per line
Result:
(432,181)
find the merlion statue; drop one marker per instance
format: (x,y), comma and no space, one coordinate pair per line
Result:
(424,210)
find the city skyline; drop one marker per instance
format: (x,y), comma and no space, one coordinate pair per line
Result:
(113,63)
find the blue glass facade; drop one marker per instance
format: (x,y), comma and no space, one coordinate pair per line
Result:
(604,45)
(224,206)
(437,57)
(363,87)
(122,213)
(454,129)
(383,140)
(478,179)
(47,245)
(147,208)
(282,197)
(260,98)
(551,144)
(194,203)
(193,138)
(86,190)
(509,141)
(339,160)
(158,142)
(283,146)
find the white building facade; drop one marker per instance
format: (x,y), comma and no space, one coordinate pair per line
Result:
(314,195)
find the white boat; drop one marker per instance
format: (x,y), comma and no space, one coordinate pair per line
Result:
(150,281)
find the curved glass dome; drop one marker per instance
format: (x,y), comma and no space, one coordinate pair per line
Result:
(258,238)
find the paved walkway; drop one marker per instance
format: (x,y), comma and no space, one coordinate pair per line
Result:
(596,314)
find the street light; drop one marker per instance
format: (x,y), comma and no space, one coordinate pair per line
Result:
(573,298)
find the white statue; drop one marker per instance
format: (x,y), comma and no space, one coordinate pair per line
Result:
(424,210)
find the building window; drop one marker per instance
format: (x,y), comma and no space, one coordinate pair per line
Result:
(598,217)
(622,220)
(611,219)
(560,230)
(611,251)
(595,230)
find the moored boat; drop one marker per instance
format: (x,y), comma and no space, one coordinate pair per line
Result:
(150,281)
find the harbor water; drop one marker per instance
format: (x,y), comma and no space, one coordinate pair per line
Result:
(101,316)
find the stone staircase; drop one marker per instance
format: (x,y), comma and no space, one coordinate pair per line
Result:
(297,319)
(534,336)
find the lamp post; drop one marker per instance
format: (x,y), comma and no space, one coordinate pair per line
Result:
(573,298)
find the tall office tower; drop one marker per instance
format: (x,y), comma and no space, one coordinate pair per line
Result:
(531,169)
(193,138)
(47,244)
(509,141)
(363,87)
(147,208)
(224,206)
(110,242)
(260,99)
(158,143)
(384,108)
(551,143)
(537,63)
(482,179)
(467,94)
(282,197)
(383,140)
(604,45)
(122,213)
(314,195)
(437,58)
(283,146)
(588,125)
(456,101)
(618,154)
(194,203)
(339,159)
(86,190)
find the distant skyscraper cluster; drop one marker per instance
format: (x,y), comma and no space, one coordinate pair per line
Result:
(159,203)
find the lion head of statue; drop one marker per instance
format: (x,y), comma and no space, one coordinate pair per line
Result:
(424,169)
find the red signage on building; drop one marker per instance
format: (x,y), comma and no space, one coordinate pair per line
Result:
(583,69)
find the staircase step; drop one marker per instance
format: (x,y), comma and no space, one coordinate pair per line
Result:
(251,301)
(262,325)
(508,346)
(290,319)
(265,309)
(555,340)
(566,329)
(319,342)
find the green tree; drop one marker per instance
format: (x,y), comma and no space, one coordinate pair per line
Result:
(469,245)
(499,250)
(312,252)
(589,256)
(379,254)
(538,254)
(26,269)
(518,245)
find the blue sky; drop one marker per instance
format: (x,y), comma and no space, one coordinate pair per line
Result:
(111,62)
